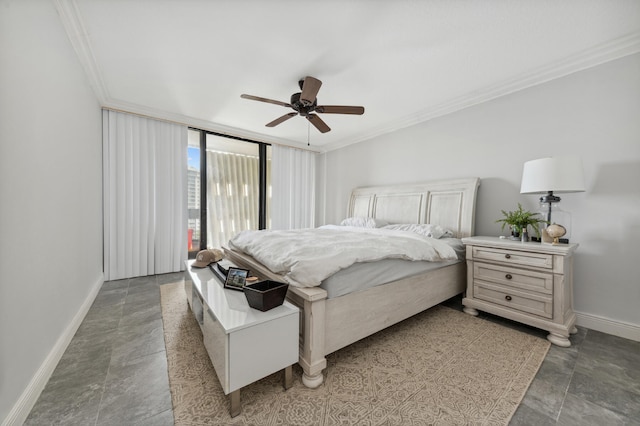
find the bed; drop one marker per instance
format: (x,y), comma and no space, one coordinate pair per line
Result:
(329,324)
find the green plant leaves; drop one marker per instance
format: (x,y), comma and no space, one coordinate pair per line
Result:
(521,219)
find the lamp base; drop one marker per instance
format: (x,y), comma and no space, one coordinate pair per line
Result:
(553,214)
(539,240)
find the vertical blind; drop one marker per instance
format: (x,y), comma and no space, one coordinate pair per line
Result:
(233,188)
(145,204)
(293,181)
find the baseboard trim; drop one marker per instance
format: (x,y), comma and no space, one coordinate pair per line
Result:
(27,400)
(609,326)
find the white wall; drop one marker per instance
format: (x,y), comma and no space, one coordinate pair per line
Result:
(594,114)
(50,195)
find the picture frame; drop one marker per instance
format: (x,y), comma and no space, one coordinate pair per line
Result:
(236,278)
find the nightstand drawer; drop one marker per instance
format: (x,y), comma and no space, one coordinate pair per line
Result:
(540,282)
(513,257)
(532,303)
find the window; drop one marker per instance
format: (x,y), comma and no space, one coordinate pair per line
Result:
(234,190)
(193,190)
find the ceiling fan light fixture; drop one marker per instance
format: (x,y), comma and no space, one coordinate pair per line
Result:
(305,103)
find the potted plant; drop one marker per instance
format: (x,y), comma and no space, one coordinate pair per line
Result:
(519,220)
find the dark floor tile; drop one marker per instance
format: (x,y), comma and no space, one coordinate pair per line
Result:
(107,297)
(76,405)
(565,358)
(142,316)
(612,371)
(605,347)
(103,314)
(621,344)
(141,308)
(544,397)
(143,281)
(98,324)
(149,295)
(84,362)
(527,416)
(136,392)
(605,394)
(579,337)
(117,357)
(170,278)
(136,341)
(556,375)
(111,285)
(579,412)
(143,289)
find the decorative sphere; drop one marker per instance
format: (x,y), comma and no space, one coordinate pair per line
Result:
(556,231)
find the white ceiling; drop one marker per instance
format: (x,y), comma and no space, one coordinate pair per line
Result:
(404,61)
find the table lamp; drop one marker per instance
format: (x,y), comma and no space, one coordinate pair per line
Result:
(549,175)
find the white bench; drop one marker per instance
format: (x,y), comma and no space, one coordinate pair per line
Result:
(244,344)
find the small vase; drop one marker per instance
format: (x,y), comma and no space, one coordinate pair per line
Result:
(524,236)
(515,233)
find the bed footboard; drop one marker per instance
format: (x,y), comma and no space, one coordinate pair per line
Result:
(355,316)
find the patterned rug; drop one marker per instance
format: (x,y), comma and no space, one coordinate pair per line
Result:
(439,367)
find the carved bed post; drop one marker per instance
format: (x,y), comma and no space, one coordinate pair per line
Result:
(311,302)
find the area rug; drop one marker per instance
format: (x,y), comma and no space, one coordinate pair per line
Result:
(439,367)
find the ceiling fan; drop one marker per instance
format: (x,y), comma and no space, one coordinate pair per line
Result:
(305,104)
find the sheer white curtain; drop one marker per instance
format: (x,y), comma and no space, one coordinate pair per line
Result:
(293,185)
(233,187)
(145,196)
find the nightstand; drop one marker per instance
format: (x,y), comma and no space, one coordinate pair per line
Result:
(531,283)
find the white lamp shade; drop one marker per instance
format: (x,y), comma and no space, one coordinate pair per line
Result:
(557,174)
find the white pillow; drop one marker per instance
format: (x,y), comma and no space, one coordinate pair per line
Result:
(428,230)
(364,222)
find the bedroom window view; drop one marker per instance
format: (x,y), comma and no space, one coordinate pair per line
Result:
(193,191)
(232,182)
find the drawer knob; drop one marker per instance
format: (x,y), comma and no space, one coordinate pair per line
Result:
(508,256)
(508,297)
(508,276)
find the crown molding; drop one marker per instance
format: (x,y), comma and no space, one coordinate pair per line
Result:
(610,51)
(79,38)
(156,114)
(606,52)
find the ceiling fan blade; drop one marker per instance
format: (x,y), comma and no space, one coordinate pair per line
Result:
(318,123)
(270,101)
(310,89)
(281,119)
(339,109)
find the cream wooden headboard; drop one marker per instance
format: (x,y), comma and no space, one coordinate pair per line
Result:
(448,203)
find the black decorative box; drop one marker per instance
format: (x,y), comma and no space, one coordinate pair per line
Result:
(265,295)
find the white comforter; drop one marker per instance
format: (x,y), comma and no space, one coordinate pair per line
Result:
(305,257)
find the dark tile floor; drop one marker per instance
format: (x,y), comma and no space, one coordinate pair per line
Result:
(114,371)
